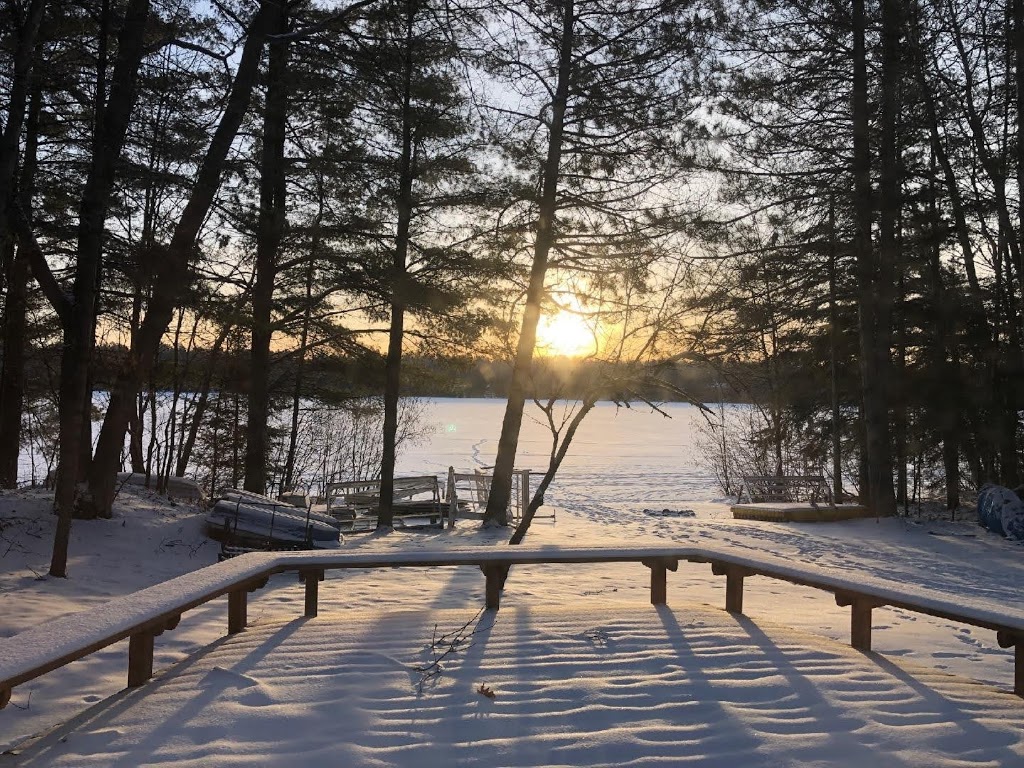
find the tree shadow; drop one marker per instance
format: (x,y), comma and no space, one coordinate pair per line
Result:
(105,714)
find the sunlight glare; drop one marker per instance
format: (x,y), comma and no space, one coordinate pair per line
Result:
(565,333)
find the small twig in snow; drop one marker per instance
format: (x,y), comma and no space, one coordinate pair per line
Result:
(446,645)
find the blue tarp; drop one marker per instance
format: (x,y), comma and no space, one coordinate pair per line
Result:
(1001,511)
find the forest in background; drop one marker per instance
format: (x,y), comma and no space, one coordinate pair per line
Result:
(816,203)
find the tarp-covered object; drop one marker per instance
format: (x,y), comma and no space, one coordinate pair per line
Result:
(269,525)
(1001,511)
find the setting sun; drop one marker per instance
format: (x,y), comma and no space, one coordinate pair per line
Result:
(565,333)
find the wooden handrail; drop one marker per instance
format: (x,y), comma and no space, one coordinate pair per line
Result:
(144,615)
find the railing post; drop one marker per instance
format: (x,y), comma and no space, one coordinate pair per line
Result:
(312,578)
(860,625)
(140,658)
(237,602)
(659,584)
(1018,669)
(659,588)
(1015,641)
(860,618)
(734,591)
(733,584)
(496,574)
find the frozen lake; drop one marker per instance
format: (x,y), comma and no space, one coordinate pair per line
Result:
(621,458)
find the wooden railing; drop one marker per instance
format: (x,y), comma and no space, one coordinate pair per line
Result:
(475,487)
(144,615)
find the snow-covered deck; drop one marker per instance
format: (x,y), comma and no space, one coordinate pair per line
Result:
(144,615)
(623,684)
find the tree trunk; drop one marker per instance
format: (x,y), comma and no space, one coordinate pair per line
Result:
(977,322)
(557,457)
(300,362)
(15,339)
(876,269)
(202,402)
(270,230)
(399,287)
(508,442)
(14,327)
(1017,30)
(20,85)
(138,461)
(79,317)
(862,239)
(12,372)
(900,414)
(833,337)
(944,349)
(171,277)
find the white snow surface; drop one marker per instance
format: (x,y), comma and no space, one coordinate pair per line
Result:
(582,669)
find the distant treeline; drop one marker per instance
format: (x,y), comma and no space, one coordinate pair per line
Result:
(332,378)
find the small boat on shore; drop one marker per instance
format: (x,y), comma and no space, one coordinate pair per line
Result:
(249,519)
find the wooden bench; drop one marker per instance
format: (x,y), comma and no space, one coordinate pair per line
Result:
(144,615)
(360,499)
(785,488)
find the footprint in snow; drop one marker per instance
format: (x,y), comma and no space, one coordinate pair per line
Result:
(252,693)
(228,678)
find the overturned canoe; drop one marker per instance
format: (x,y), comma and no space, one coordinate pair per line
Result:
(247,498)
(269,525)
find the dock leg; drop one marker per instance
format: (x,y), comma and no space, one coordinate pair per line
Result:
(237,603)
(140,658)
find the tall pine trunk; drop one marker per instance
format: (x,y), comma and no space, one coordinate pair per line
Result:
(876,267)
(399,285)
(15,325)
(20,86)
(269,233)
(79,317)
(508,442)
